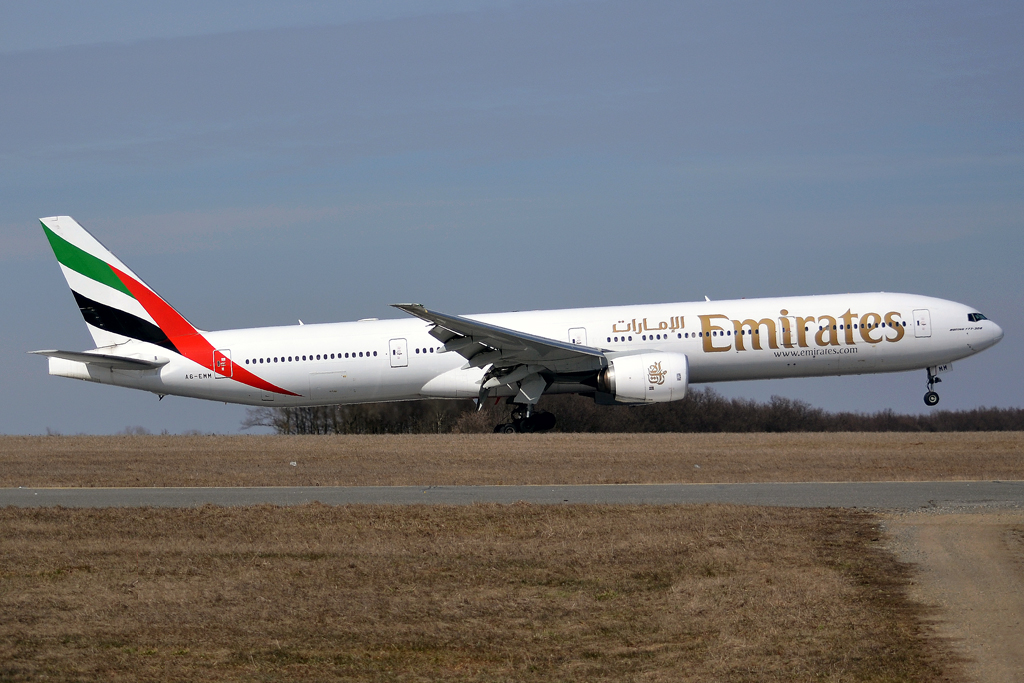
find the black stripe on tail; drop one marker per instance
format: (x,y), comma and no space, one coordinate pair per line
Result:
(119,322)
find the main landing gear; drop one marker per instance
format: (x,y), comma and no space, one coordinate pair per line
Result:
(525,421)
(932,398)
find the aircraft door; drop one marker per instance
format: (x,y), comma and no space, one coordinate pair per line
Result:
(922,323)
(399,350)
(578,335)
(222,366)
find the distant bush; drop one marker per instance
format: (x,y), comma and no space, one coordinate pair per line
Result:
(407,417)
(707,411)
(702,411)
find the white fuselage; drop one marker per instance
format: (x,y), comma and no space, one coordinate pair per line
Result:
(394,360)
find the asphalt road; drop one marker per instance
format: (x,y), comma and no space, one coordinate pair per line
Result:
(875,495)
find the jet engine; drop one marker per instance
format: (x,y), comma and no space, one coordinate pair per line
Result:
(646,377)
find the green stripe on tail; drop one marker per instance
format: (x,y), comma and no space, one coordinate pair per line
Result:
(83,262)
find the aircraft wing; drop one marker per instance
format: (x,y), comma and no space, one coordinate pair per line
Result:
(485,344)
(104,360)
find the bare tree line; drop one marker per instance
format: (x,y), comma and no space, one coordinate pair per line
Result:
(702,411)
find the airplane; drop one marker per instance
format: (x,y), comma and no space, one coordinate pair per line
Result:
(616,355)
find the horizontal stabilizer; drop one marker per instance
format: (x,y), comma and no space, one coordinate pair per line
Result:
(106,361)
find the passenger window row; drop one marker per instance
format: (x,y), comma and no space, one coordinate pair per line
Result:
(319,356)
(425,350)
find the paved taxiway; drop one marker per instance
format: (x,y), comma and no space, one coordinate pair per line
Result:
(877,495)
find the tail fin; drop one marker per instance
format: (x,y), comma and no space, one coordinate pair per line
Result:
(116,304)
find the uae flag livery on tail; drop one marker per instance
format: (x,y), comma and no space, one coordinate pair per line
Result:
(112,312)
(118,306)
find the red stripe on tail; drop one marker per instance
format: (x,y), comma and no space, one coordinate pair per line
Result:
(186,338)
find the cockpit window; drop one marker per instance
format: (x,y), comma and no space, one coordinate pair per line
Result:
(975,317)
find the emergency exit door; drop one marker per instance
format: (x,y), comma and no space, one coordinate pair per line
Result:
(578,335)
(922,323)
(399,351)
(222,363)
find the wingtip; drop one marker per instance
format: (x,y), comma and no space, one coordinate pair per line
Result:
(413,309)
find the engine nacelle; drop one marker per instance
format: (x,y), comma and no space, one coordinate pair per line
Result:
(646,377)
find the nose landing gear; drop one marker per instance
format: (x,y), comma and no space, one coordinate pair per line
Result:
(932,398)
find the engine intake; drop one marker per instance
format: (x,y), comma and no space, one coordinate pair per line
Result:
(646,377)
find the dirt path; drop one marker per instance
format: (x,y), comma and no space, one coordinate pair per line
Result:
(971,566)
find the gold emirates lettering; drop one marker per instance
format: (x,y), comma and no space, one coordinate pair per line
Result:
(832,330)
(752,328)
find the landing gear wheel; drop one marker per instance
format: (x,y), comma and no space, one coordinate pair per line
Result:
(541,422)
(507,429)
(932,398)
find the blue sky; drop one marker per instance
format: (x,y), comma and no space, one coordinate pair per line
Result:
(258,165)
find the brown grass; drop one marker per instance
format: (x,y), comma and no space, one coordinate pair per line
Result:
(477,593)
(506,459)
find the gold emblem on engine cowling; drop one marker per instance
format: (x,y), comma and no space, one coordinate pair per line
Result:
(655,375)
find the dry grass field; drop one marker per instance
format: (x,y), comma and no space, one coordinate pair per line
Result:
(475,593)
(506,459)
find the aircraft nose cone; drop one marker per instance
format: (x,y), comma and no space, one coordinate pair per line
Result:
(990,337)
